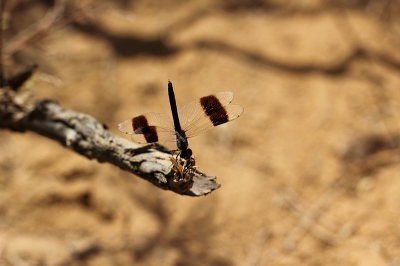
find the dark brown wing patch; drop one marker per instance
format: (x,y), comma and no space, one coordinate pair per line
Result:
(214,110)
(219,117)
(138,123)
(141,126)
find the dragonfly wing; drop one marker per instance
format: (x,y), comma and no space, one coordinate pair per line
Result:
(208,112)
(194,110)
(148,128)
(228,113)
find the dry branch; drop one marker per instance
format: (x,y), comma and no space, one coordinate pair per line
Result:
(19,111)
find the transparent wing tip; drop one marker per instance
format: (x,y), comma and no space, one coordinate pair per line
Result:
(125,127)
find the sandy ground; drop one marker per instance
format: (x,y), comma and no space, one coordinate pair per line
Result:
(308,173)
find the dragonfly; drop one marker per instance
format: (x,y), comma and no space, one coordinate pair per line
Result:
(192,119)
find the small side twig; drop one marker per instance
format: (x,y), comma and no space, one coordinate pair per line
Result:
(23,37)
(90,138)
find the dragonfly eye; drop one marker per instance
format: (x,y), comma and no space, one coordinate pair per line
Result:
(185,154)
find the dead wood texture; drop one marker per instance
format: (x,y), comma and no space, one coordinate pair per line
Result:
(19,111)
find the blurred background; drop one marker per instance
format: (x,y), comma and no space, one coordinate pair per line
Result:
(309,172)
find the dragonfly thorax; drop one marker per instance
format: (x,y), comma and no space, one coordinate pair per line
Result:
(181,140)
